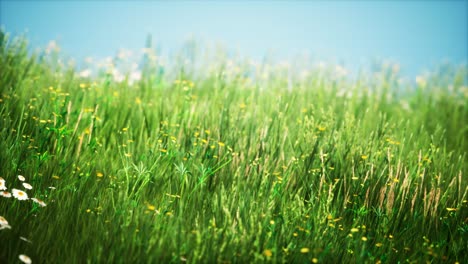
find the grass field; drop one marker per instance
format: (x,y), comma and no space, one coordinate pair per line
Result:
(230,163)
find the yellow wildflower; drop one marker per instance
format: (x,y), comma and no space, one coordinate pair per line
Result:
(267,253)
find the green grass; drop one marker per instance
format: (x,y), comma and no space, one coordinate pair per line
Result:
(200,166)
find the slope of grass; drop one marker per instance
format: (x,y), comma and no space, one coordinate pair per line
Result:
(192,167)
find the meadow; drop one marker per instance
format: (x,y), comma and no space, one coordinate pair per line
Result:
(229,162)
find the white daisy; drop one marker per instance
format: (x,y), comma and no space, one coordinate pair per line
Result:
(21,178)
(5,194)
(2,184)
(25,259)
(27,185)
(20,195)
(85,73)
(39,201)
(4,223)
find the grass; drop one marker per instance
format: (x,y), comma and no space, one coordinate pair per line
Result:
(231,165)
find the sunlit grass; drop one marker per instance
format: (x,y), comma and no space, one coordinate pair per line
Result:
(230,162)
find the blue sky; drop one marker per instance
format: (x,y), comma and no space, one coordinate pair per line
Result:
(417,34)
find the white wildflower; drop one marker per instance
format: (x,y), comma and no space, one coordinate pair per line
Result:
(4,223)
(25,259)
(2,184)
(20,195)
(5,194)
(85,73)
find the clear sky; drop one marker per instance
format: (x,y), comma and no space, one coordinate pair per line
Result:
(418,34)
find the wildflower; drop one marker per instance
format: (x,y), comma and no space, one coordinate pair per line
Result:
(341,71)
(118,77)
(364,238)
(85,73)
(354,230)
(267,253)
(314,260)
(421,81)
(3,221)
(25,259)
(305,250)
(5,194)
(27,186)
(52,46)
(378,244)
(99,174)
(20,195)
(135,76)
(451,209)
(21,178)
(2,184)
(321,128)
(364,157)
(39,201)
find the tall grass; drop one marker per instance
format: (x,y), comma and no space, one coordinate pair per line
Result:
(222,166)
